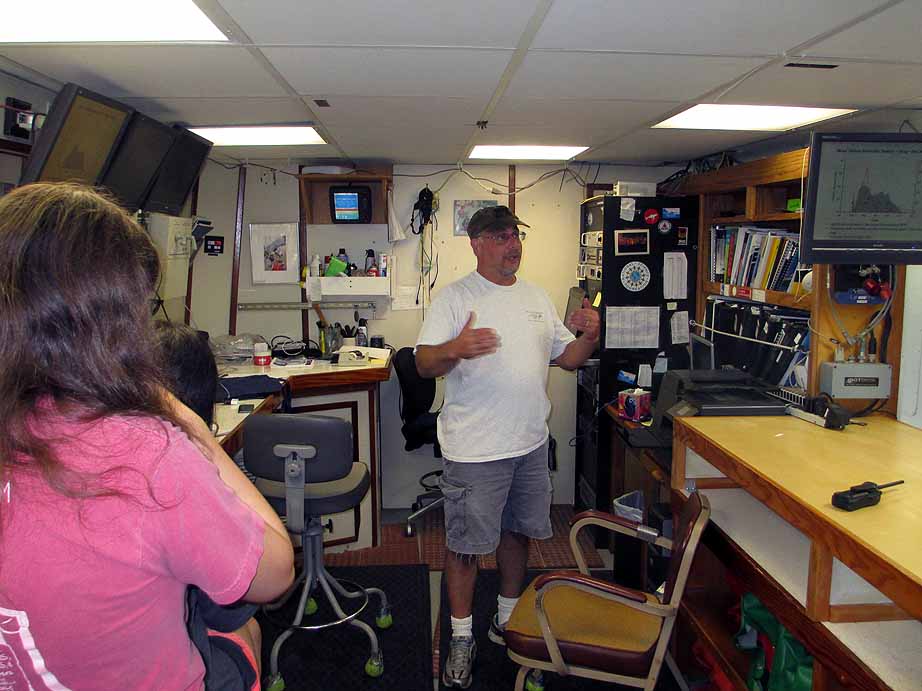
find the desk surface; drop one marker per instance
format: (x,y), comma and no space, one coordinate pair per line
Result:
(794,467)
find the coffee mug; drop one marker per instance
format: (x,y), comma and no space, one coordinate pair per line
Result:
(348,342)
(377,342)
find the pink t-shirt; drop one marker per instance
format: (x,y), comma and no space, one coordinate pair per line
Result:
(92,591)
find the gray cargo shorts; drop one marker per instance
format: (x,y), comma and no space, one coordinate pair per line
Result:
(484,499)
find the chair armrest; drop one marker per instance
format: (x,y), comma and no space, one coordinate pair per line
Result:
(615,524)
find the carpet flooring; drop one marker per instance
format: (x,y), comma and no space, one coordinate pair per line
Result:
(333,659)
(428,547)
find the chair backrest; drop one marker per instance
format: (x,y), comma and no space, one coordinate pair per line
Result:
(330,436)
(687,533)
(417,393)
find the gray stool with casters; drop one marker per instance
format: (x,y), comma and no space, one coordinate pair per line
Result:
(304,467)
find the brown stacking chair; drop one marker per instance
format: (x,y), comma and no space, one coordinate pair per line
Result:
(571,623)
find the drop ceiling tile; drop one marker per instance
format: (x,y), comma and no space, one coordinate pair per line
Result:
(390,71)
(152,71)
(703,27)
(402,144)
(373,22)
(627,77)
(614,116)
(891,35)
(651,147)
(423,111)
(850,85)
(222,111)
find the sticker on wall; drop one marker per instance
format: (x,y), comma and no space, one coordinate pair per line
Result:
(664,227)
(632,242)
(650,216)
(672,212)
(635,276)
(214,245)
(628,209)
(682,235)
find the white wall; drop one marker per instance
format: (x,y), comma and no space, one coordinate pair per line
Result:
(550,254)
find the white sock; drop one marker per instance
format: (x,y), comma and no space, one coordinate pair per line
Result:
(504,607)
(462,627)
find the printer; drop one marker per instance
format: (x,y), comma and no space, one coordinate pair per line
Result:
(706,393)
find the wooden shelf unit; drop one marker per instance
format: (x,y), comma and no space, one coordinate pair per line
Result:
(314,189)
(770,297)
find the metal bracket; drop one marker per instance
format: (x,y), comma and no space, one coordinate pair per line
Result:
(690,485)
(647,534)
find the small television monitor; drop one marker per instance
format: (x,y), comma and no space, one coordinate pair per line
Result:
(350,204)
(137,160)
(79,136)
(864,199)
(181,168)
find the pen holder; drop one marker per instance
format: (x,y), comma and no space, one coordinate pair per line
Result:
(348,342)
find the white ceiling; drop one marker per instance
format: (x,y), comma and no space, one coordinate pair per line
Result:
(408,79)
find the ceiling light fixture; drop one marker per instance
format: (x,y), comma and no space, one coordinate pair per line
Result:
(527,153)
(260,135)
(717,116)
(112,21)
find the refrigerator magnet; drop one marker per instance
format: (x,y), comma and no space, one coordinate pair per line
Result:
(632,242)
(671,212)
(682,235)
(650,216)
(664,227)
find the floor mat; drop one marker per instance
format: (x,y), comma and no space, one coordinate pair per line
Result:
(333,659)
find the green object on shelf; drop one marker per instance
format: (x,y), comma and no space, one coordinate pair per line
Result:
(794,205)
(792,666)
(335,267)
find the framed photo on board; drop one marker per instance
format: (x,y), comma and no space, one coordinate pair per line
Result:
(465,208)
(274,252)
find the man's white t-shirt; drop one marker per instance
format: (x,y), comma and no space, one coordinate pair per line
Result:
(496,405)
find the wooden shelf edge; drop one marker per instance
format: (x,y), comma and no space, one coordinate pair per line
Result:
(775,217)
(771,297)
(716,636)
(764,171)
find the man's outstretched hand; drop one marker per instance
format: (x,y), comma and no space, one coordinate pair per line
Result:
(471,342)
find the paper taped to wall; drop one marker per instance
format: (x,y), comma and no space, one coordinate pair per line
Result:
(675,276)
(678,325)
(632,327)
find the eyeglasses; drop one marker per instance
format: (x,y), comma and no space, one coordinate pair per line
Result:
(504,238)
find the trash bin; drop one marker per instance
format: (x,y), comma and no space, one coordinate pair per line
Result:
(629,506)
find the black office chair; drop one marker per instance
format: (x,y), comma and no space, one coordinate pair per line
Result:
(304,467)
(419,428)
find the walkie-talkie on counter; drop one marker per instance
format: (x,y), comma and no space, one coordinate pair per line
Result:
(860,496)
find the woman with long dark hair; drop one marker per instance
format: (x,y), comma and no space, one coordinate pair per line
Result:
(115,496)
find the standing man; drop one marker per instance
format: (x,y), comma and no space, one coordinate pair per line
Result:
(493,335)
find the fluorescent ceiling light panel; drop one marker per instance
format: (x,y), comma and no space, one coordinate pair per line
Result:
(527,153)
(717,116)
(110,21)
(260,135)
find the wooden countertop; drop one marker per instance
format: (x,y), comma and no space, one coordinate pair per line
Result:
(794,467)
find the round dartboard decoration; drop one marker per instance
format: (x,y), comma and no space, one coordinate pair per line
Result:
(635,276)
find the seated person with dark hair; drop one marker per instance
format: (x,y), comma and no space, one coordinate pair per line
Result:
(193,376)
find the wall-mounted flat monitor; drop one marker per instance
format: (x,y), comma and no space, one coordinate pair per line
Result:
(79,136)
(179,172)
(139,157)
(864,199)
(350,204)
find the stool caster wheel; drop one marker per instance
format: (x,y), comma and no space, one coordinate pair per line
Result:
(310,607)
(385,619)
(275,683)
(534,681)
(409,530)
(375,665)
